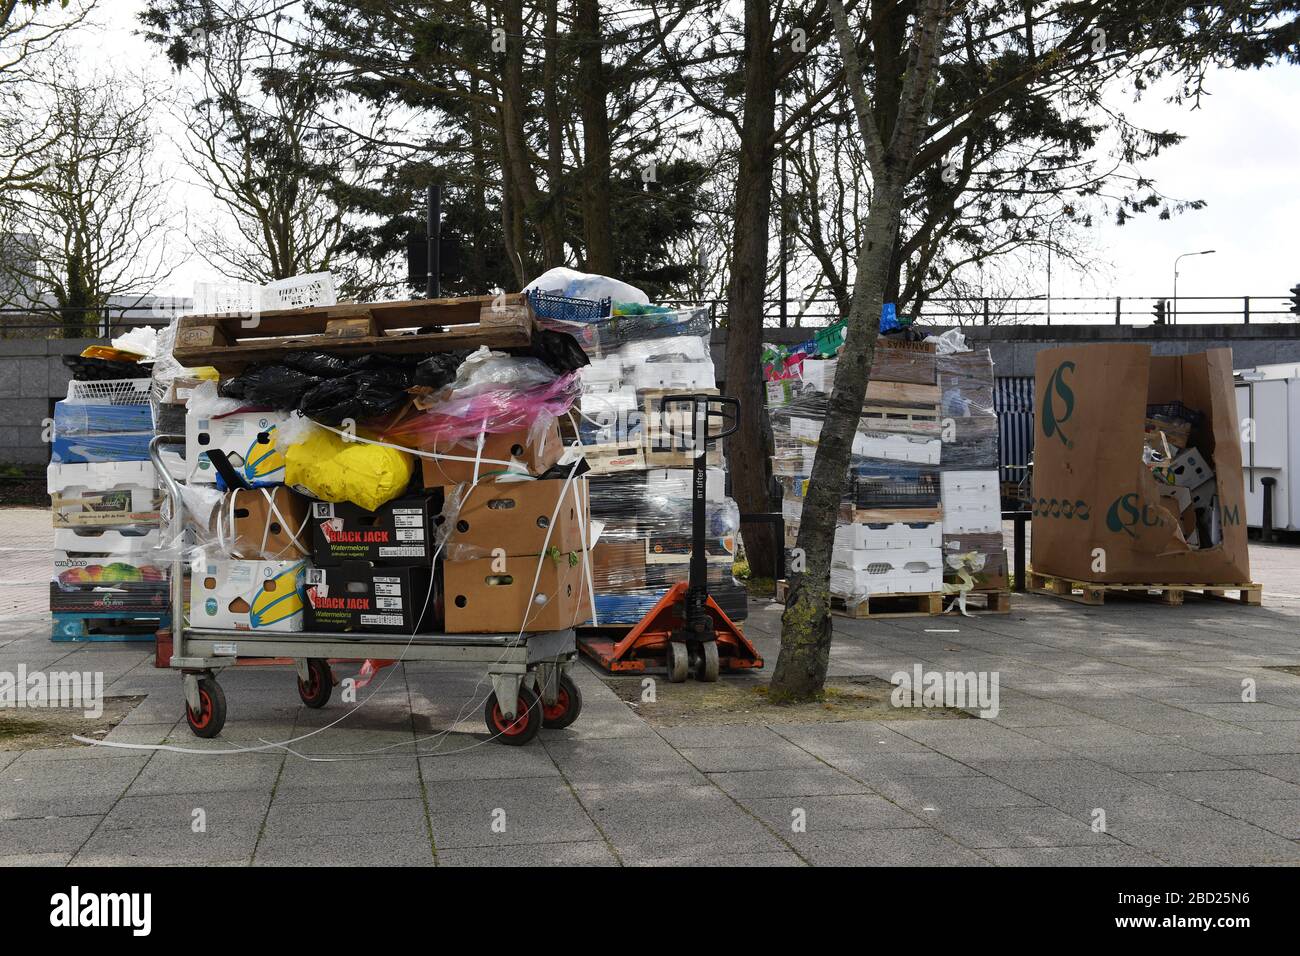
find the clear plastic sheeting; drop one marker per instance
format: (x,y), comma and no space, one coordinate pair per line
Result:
(928,412)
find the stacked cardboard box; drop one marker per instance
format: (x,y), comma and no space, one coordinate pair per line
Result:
(888,540)
(640,457)
(109,580)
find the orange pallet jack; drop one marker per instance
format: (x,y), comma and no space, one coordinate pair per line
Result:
(686,631)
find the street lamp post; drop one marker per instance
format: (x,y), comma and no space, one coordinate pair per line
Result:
(1174,311)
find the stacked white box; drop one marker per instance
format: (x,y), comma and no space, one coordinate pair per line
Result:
(898,571)
(877,537)
(972,502)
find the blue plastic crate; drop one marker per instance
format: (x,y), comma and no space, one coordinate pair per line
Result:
(561,308)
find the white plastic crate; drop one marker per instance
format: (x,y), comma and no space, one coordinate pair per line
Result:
(892,536)
(903,448)
(918,576)
(116,391)
(972,502)
(887,559)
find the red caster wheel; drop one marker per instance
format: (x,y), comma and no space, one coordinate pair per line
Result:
(526,724)
(567,706)
(319,685)
(212,715)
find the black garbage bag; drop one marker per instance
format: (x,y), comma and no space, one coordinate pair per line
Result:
(276,386)
(439,369)
(559,350)
(318,364)
(96,370)
(361,396)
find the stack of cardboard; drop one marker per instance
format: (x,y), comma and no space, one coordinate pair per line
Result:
(888,540)
(108,580)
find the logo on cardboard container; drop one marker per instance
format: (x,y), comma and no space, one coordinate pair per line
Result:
(1124,515)
(1057,388)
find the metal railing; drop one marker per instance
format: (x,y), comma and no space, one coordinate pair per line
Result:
(819,312)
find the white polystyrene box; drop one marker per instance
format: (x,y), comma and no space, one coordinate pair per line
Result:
(896,535)
(972,502)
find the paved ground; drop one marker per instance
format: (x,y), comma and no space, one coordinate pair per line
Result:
(1132,710)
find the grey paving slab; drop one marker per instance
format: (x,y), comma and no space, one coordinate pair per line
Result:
(46,835)
(356,849)
(1015,826)
(1114,854)
(700,820)
(915,847)
(1220,842)
(344,818)
(173,773)
(534,810)
(818,781)
(854,811)
(166,845)
(476,760)
(587,853)
(314,781)
(776,756)
(1224,785)
(34,788)
(874,768)
(949,793)
(208,812)
(754,859)
(621,760)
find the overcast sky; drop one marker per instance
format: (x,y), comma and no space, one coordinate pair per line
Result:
(1241,155)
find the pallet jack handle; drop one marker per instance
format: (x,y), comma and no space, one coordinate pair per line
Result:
(703,415)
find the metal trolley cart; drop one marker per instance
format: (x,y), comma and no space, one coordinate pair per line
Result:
(531,682)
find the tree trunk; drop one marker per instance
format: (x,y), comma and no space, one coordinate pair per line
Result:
(597,220)
(806,629)
(752,444)
(806,624)
(513,103)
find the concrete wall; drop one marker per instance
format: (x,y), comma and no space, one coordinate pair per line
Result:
(32,377)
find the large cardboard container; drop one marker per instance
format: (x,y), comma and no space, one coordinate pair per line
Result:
(1091,489)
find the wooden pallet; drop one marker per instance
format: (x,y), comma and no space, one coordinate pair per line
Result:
(229,342)
(106,626)
(924,604)
(1172,595)
(985,602)
(893,515)
(909,418)
(909,394)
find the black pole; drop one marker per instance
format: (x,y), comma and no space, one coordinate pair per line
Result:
(1266,526)
(432,231)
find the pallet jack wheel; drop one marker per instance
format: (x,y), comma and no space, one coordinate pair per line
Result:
(209,721)
(526,725)
(567,706)
(320,683)
(678,660)
(707,667)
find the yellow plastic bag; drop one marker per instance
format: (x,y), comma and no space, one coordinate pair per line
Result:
(325,466)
